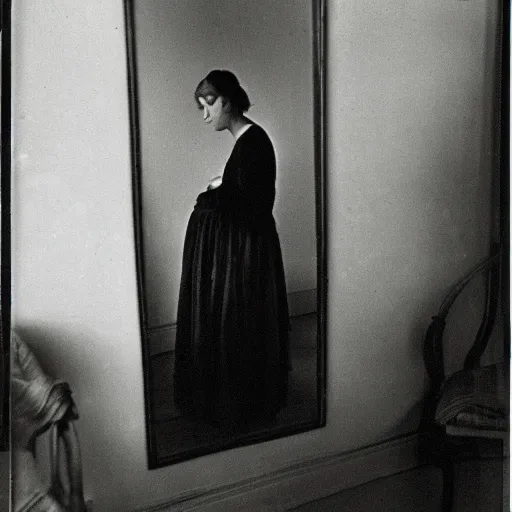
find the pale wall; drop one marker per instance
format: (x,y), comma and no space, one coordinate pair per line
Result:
(407,213)
(178,43)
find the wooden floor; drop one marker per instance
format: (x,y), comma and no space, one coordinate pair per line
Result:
(175,434)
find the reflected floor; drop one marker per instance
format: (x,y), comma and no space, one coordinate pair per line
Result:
(174,433)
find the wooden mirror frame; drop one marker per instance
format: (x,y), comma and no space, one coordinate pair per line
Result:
(318,45)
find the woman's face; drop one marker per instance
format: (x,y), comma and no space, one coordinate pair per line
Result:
(214,111)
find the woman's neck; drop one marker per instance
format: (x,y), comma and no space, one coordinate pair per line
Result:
(237,123)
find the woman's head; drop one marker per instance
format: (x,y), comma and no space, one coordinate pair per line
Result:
(221,96)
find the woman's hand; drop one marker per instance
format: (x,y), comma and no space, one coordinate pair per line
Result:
(214,183)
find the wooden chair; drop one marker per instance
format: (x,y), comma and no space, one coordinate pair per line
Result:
(466,413)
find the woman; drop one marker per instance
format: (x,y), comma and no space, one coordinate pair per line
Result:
(232,330)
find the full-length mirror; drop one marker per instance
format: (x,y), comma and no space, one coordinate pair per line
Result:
(227,117)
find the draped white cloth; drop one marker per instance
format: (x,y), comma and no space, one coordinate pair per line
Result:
(37,402)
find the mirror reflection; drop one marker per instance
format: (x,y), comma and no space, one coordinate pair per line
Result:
(227,208)
(231,350)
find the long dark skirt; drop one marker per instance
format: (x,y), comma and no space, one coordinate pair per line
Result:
(233,326)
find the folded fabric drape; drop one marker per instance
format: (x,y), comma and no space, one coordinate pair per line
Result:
(38,400)
(39,403)
(475,398)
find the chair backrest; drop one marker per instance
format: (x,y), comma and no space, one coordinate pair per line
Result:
(433,353)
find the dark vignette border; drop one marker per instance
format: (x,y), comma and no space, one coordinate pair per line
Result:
(5,201)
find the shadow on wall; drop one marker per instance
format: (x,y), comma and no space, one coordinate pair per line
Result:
(54,348)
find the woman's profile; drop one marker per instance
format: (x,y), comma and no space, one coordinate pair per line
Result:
(231,358)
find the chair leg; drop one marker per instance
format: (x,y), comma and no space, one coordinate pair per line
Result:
(448,486)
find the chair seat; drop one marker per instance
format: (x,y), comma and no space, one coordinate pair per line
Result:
(462,431)
(474,402)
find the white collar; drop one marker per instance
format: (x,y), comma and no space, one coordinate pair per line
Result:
(242,130)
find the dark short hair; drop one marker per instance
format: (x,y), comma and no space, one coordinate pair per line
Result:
(221,82)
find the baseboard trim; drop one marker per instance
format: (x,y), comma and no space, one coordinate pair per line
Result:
(302,302)
(308,481)
(162,338)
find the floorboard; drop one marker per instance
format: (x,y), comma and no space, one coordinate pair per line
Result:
(174,433)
